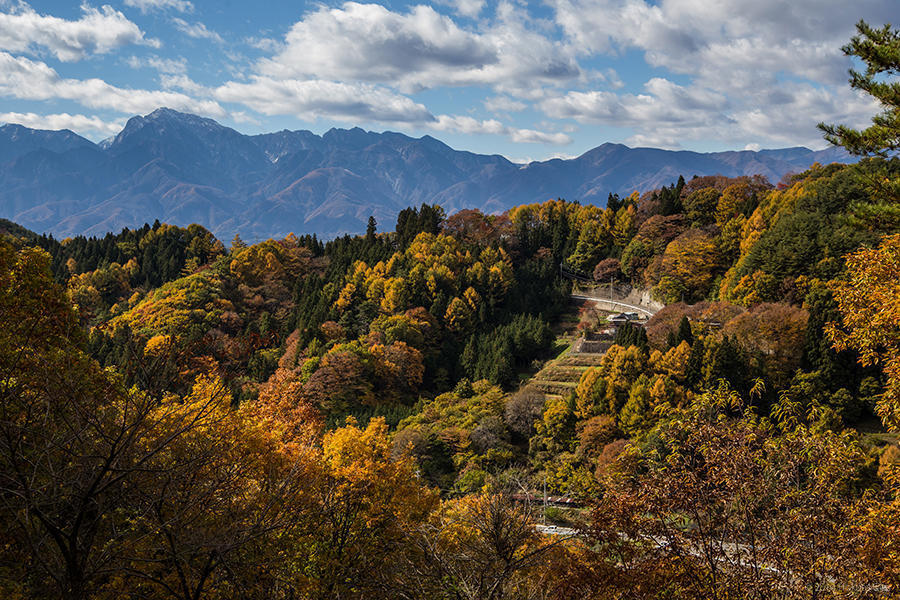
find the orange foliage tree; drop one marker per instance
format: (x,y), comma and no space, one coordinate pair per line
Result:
(724,507)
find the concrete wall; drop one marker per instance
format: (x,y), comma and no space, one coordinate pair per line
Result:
(623,298)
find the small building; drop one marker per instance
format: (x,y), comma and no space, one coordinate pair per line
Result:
(620,319)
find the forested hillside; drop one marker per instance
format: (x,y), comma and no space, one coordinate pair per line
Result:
(361,418)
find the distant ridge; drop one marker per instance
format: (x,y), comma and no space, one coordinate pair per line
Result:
(181,168)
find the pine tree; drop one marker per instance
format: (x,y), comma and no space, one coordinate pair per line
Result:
(237,244)
(370,231)
(694,371)
(684,332)
(671,340)
(879,49)
(613,202)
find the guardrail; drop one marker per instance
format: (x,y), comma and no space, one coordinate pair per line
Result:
(620,306)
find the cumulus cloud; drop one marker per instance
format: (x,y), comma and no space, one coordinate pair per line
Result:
(525,160)
(778,122)
(27,79)
(665,102)
(418,49)
(369,42)
(724,41)
(464,124)
(98,31)
(670,114)
(146,6)
(762,70)
(466,8)
(531,136)
(311,99)
(180,81)
(197,30)
(735,72)
(80,123)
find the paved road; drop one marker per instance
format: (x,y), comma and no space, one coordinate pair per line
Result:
(620,305)
(554,530)
(728,552)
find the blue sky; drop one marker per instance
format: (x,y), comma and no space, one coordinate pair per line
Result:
(529,80)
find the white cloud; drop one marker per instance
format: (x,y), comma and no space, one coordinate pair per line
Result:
(312,99)
(419,49)
(731,71)
(263,43)
(726,42)
(665,103)
(23,78)
(80,123)
(369,42)
(669,115)
(361,103)
(464,124)
(170,66)
(182,82)
(98,31)
(197,30)
(778,122)
(766,70)
(611,77)
(146,6)
(526,160)
(504,104)
(466,8)
(240,116)
(530,136)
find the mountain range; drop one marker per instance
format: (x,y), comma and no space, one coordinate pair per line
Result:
(181,169)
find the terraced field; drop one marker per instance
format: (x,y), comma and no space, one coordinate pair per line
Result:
(561,375)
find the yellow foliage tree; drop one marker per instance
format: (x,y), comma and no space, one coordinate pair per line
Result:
(674,362)
(368,501)
(480,546)
(459,315)
(869,302)
(591,388)
(692,258)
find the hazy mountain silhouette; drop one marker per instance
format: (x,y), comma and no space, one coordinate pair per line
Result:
(181,169)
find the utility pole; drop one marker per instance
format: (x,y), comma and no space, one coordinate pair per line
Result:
(544,511)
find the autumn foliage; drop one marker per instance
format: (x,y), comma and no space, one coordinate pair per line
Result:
(381,416)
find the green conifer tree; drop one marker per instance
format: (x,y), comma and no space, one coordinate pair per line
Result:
(879,49)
